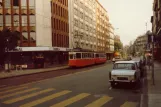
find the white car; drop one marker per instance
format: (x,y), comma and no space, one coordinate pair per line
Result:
(124,72)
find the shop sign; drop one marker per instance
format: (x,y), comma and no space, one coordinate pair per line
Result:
(18,49)
(68,49)
(56,49)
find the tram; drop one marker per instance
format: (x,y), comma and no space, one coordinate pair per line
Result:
(82,59)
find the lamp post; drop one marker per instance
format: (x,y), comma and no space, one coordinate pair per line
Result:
(7,49)
(151,37)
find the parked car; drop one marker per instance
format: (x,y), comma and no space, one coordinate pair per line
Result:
(124,72)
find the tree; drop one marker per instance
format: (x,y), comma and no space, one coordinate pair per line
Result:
(8,42)
(117,46)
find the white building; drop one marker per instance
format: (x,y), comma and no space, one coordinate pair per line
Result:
(112,36)
(43,23)
(82,24)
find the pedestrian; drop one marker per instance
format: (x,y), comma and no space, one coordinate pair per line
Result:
(150,62)
(113,60)
(144,61)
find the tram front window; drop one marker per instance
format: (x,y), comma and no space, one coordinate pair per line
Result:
(71,56)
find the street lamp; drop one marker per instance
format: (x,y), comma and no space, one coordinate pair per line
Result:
(152,41)
(7,49)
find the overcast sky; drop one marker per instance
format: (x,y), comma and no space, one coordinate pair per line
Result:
(130,16)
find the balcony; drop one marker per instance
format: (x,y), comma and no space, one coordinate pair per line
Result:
(32,28)
(24,12)
(24,29)
(17,28)
(1,11)
(8,11)
(16,11)
(32,12)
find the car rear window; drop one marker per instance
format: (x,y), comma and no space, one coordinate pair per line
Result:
(128,66)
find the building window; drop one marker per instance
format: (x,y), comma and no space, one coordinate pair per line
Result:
(25,36)
(8,20)
(32,3)
(33,37)
(23,3)
(16,20)
(1,20)
(15,2)
(7,3)
(24,20)
(32,20)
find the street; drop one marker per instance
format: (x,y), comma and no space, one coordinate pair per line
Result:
(87,88)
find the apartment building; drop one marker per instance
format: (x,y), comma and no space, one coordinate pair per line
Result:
(140,44)
(60,25)
(82,24)
(156,27)
(112,37)
(102,29)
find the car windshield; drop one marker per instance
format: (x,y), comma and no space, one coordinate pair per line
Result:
(128,66)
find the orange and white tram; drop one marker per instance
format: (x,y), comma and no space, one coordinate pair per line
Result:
(82,59)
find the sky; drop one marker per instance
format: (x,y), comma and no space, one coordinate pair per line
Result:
(129,17)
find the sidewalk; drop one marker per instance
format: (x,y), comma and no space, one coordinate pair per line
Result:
(153,94)
(14,73)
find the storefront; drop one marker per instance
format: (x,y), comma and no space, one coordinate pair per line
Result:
(38,57)
(109,55)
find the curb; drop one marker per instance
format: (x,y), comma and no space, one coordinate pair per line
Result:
(144,95)
(32,73)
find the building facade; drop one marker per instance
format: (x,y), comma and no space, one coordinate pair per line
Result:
(60,25)
(31,18)
(140,44)
(82,24)
(42,26)
(156,28)
(112,37)
(102,29)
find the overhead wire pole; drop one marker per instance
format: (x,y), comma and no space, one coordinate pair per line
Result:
(153,77)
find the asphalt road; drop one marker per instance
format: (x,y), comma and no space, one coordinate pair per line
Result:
(87,87)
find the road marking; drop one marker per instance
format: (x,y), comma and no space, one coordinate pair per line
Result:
(100,102)
(130,104)
(10,87)
(12,90)
(71,100)
(42,100)
(20,92)
(27,96)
